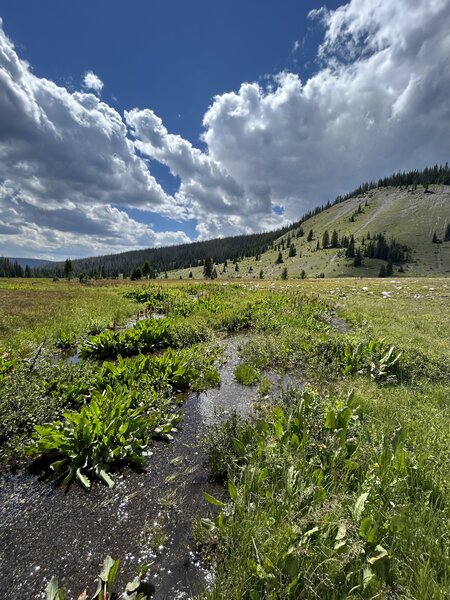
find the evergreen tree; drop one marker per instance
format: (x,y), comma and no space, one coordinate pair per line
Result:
(318,245)
(190,275)
(389,269)
(350,252)
(435,239)
(334,239)
(303,274)
(147,269)
(284,273)
(68,269)
(27,271)
(261,274)
(325,239)
(357,261)
(382,272)
(136,274)
(236,268)
(447,233)
(310,236)
(300,232)
(279,259)
(208,267)
(292,250)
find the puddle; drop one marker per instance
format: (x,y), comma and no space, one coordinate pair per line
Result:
(71,355)
(340,325)
(146,517)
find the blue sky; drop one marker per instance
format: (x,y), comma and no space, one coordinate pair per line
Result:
(205,119)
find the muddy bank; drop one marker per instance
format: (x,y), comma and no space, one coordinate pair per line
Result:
(146,517)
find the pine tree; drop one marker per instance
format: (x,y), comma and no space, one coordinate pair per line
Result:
(350,252)
(208,267)
(147,269)
(303,274)
(292,250)
(68,269)
(334,239)
(300,232)
(357,261)
(318,245)
(261,274)
(310,236)
(325,239)
(279,259)
(190,275)
(447,233)
(389,269)
(236,268)
(435,239)
(284,273)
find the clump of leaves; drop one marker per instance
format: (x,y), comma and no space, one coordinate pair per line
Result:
(376,357)
(105,584)
(246,374)
(145,336)
(304,483)
(112,428)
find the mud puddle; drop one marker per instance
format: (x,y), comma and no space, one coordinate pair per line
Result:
(71,356)
(146,517)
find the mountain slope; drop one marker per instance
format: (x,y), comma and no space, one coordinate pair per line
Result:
(408,215)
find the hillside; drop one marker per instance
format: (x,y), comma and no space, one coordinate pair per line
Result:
(409,216)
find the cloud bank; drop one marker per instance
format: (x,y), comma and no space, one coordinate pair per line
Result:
(378,102)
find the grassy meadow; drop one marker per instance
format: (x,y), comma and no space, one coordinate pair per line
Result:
(339,486)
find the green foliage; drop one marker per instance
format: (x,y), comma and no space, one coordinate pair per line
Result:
(112,428)
(315,506)
(145,336)
(105,584)
(246,374)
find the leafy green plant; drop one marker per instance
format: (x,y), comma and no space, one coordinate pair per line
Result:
(105,584)
(246,374)
(145,336)
(111,429)
(376,357)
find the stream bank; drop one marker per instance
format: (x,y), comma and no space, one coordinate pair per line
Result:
(46,531)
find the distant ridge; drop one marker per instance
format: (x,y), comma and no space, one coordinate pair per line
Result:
(418,215)
(31,262)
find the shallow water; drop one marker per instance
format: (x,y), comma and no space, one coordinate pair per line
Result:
(46,531)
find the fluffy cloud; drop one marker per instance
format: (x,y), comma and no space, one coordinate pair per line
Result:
(220,203)
(91,81)
(68,158)
(377,103)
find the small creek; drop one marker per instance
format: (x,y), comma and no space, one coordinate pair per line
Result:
(46,531)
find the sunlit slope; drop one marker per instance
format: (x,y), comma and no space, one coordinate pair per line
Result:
(408,216)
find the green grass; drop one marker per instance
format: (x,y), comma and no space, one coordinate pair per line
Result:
(331,497)
(34,310)
(340,490)
(410,218)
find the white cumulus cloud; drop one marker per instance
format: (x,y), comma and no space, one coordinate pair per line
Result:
(378,102)
(91,81)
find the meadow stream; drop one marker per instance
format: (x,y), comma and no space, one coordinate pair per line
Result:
(146,517)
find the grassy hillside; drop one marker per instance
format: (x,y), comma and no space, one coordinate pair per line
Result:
(410,217)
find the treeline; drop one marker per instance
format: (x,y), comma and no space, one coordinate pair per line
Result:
(230,248)
(439,175)
(168,258)
(13,269)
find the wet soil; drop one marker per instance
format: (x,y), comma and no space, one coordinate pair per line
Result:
(147,517)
